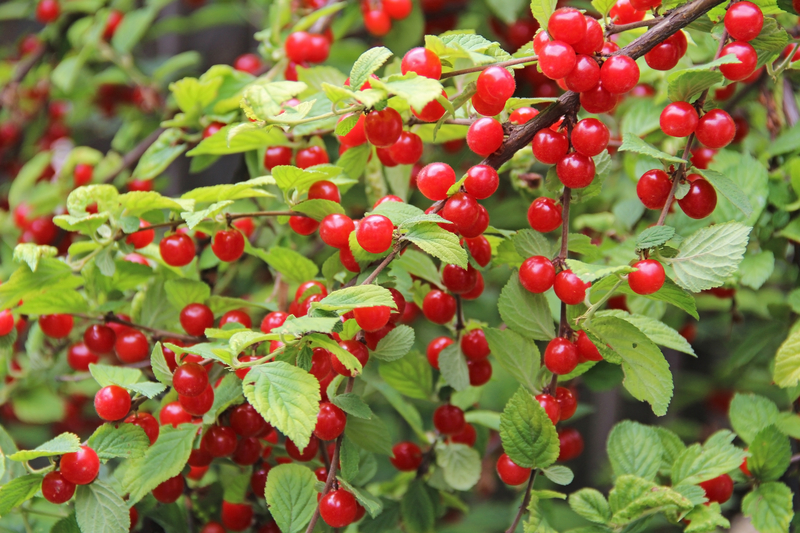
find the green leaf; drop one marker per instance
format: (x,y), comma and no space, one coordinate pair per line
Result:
(460,464)
(18,491)
(716,457)
(159,365)
(398,212)
(370,502)
(350,298)
(155,160)
(31,254)
(127,378)
(371,434)
(345,357)
(403,407)
(137,203)
(750,413)
(590,504)
(654,236)
(453,366)
(587,272)
(318,208)
(235,483)
(52,274)
(787,362)
(414,262)
(367,64)
(730,190)
(528,243)
(542,9)
(755,269)
(418,91)
(529,437)
(291,496)
(647,375)
(709,256)
(124,440)
(182,292)
(632,143)
(634,449)
(488,419)
(772,37)
(417,508)
(132,28)
(101,510)
(287,397)
(395,344)
(524,312)
(252,188)
(507,10)
(352,404)
(438,242)
(163,460)
(297,327)
(516,354)
(603,6)
(769,507)
(656,331)
(64,443)
(559,474)
(634,498)
(54,301)
(193,218)
(290,264)
(67,525)
(410,375)
(227,393)
(770,454)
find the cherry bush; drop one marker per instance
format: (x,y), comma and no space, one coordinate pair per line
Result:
(462,232)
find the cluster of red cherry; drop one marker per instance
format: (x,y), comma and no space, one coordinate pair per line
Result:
(379,14)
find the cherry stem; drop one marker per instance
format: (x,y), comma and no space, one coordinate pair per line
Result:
(156,333)
(479,68)
(459,316)
(334,466)
(525,501)
(612,28)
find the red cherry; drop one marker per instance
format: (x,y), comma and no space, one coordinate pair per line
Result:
(311,156)
(550,406)
(304,455)
(664,56)
(56,326)
(486,109)
(407,150)
(747,57)
(228,245)
(246,421)
(177,249)
(236,516)
(258,481)
(569,288)
(196,318)
(649,277)
(357,349)
(510,473)
(575,170)
(190,379)
(619,74)
(570,444)
(170,490)
(480,250)
(318,49)
(432,111)
(78,356)
(474,345)
(700,201)
(567,24)
(335,229)
(330,421)
(480,372)
(584,76)
(653,188)
(247,452)
(278,156)
(468,436)
(544,215)
(147,422)
(462,210)
(372,318)
(338,508)
(56,489)
(131,346)
(273,320)
(720,488)
(744,21)
(567,402)
(212,129)
(47,11)
(82,174)
(347,259)
(485,136)
(219,441)
(406,456)
(80,467)
(212,527)
(561,356)
(112,403)
(624,13)
(383,128)
(174,414)
(522,115)
(716,128)
(702,156)
(592,40)
(198,405)
(377,22)
(587,351)
(537,274)
(495,85)
(356,136)
(458,280)
(374,234)
(303,225)
(140,239)
(448,419)
(423,62)
(549,146)
(590,137)
(679,119)
(557,59)
(435,179)
(598,99)
(435,347)
(439,307)
(297,45)
(236,316)
(99,339)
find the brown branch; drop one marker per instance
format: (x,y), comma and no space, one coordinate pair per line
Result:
(676,180)
(612,28)
(23,67)
(479,68)
(525,501)
(154,332)
(132,157)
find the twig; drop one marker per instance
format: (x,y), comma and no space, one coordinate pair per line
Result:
(157,333)
(134,155)
(525,501)
(564,253)
(228,216)
(612,28)
(479,68)
(676,180)
(19,74)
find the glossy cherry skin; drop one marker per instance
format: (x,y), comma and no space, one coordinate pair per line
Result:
(273,320)
(598,99)
(462,210)
(190,379)
(549,146)
(485,108)
(198,405)
(653,188)
(246,421)
(567,24)
(56,489)
(557,59)
(522,115)
(592,40)
(56,326)
(561,356)
(311,156)
(219,441)
(331,421)
(625,13)
(432,111)
(406,456)
(347,259)
(196,318)
(700,201)
(718,489)
(619,74)
(584,76)
(82,174)
(435,179)
(228,245)
(47,11)
(236,516)
(679,119)
(423,62)
(174,414)
(544,215)
(279,156)
(575,170)
(383,128)
(479,226)
(537,274)
(474,345)
(335,229)
(131,346)
(567,402)
(510,473)
(485,136)
(236,316)
(247,452)
(747,57)
(80,467)
(468,436)
(744,21)
(99,339)
(357,349)
(480,250)
(374,234)
(550,406)
(338,508)
(480,372)
(590,137)
(649,277)
(495,85)
(570,444)
(448,419)
(569,288)
(177,249)
(147,422)
(79,357)
(212,527)
(112,403)
(587,351)
(304,455)
(6,322)
(407,149)
(716,129)
(435,347)
(303,225)
(439,307)
(458,280)
(372,318)
(170,490)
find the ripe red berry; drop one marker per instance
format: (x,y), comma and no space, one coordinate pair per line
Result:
(551,407)
(432,111)
(383,128)
(700,201)
(598,99)
(435,347)
(624,13)
(664,56)
(147,422)
(557,59)
(56,489)
(537,274)
(678,119)
(273,320)
(544,214)
(398,9)
(570,444)
(480,250)
(458,280)
(347,259)
(338,508)
(407,150)
(485,136)
(567,402)
(584,76)
(649,277)
(330,421)
(406,456)
(468,436)
(510,473)
(112,403)
(462,210)
(196,318)
(439,307)
(590,137)
(6,322)
(80,467)
(567,24)
(250,63)
(549,146)
(56,326)
(561,356)
(47,11)
(335,229)
(311,156)
(522,115)
(279,156)
(219,441)
(82,174)
(198,405)
(170,490)
(247,452)
(744,21)
(140,239)
(303,225)
(435,179)
(190,379)
(575,170)
(374,234)
(592,40)
(474,345)
(304,455)
(718,489)
(587,351)
(177,249)
(480,372)
(569,288)
(173,414)
(131,346)
(377,22)
(236,316)
(485,108)
(619,74)
(653,188)
(99,339)
(423,62)
(228,245)
(79,357)
(258,481)
(448,419)
(747,57)
(296,46)
(246,421)
(716,128)
(236,516)
(372,318)
(357,349)
(495,85)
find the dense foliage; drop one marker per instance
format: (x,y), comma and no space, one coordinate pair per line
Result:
(526,205)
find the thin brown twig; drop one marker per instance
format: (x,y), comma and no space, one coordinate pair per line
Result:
(154,332)
(612,28)
(525,501)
